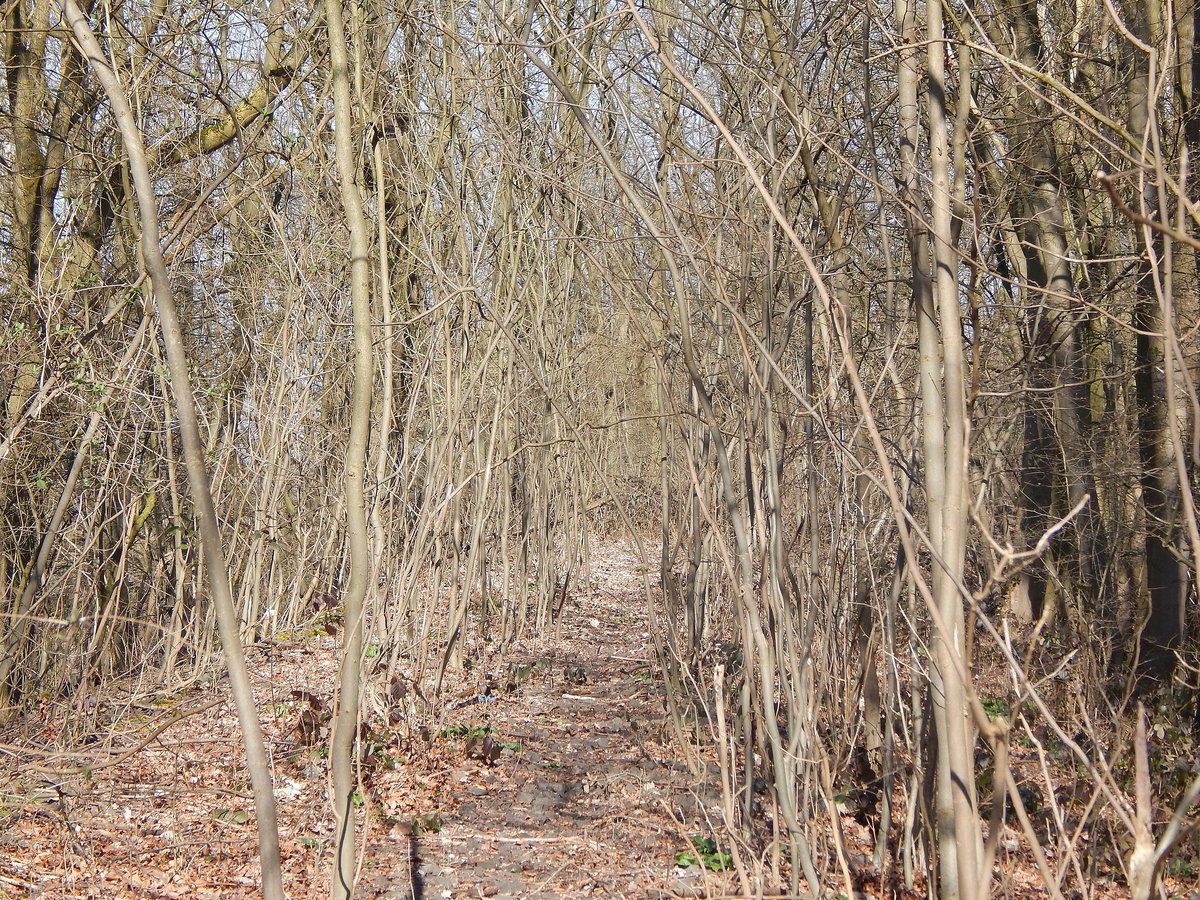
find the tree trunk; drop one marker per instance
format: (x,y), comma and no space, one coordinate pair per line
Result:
(1164,623)
(345,725)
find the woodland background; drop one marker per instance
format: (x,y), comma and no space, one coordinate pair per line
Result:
(876,325)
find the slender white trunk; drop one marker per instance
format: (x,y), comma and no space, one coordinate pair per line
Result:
(345,724)
(957,815)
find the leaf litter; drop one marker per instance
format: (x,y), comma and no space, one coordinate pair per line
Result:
(548,770)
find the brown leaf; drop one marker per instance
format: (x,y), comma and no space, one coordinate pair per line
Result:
(324,600)
(398,690)
(310,698)
(308,728)
(486,749)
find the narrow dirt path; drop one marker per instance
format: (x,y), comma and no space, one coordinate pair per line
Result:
(587,793)
(546,771)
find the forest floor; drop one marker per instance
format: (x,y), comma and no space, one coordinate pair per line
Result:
(549,770)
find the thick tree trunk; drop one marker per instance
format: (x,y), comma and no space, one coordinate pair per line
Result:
(1164,623)
(1057,462)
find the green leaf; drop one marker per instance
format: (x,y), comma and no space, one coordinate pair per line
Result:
(705,853)
(236,816)
(430,823)
(463,730)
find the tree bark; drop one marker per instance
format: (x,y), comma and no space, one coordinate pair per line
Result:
(1164,624)
(345,725)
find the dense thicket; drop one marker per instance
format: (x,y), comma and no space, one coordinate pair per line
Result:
(874,325)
